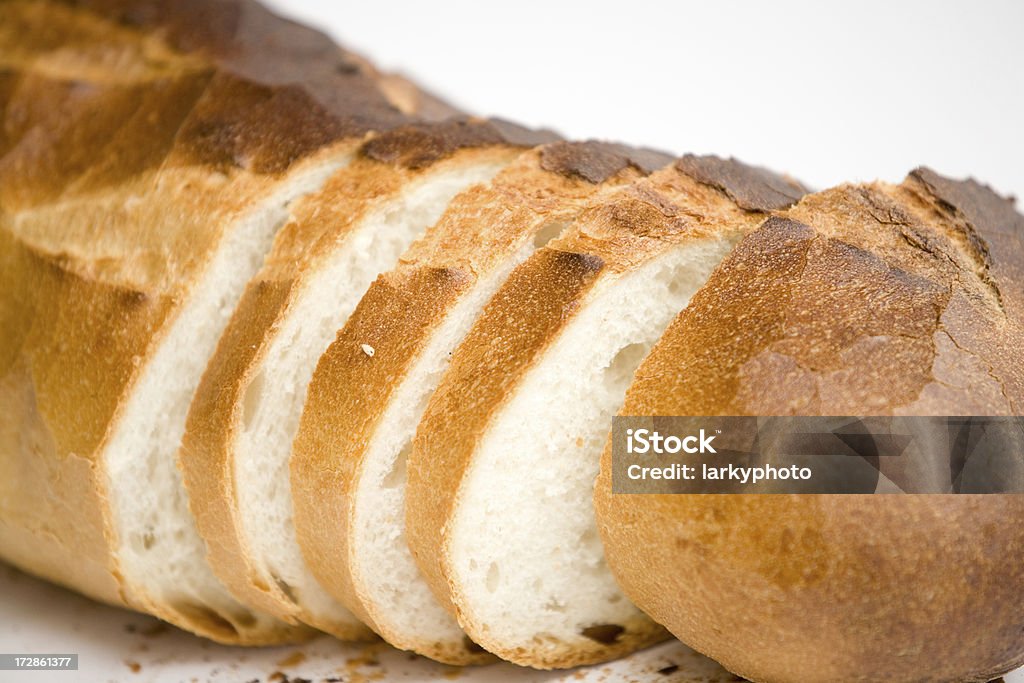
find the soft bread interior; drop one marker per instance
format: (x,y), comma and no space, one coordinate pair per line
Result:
(273,401)
(159,550)
(525,555)
(383,563)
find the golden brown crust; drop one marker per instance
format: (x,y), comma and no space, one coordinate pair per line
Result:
(596,162)
(989,225)
(637,634)
(417,146)
(382,167)
(48,314)
(871,300)
(287,89)
(130,143)
(483,228)
(266,92)
(750,187)
(811,588)
(912,307)
(612,236)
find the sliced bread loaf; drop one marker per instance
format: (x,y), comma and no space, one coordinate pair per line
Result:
(498,506)
(369,388)
(246,411)
(862,300)
(149,153)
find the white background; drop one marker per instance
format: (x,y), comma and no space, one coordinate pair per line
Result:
(828,91)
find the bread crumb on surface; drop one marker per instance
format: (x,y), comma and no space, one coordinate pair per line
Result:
(158,628)
(294,659)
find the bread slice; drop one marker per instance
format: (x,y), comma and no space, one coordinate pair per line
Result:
(370,386)
(500,477)
(246,411)
(861,300)
(149,153)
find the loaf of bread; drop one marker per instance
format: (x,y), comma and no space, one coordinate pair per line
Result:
(861,300)
(290,345)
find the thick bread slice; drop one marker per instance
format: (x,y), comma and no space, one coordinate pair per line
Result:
(864,300)
(369,388)
(502,469)
(149,152)
(246,411)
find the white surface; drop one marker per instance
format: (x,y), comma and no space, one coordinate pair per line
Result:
(40,618)
(827,91)
(36,617)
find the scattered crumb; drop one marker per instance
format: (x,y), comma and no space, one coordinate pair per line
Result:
(283,678)
(135,667)
(670,669)
(579,442)
(368,350)
(366,678)
(369,656)
(361,661)
(155,629)
(354,669)
(294,659)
